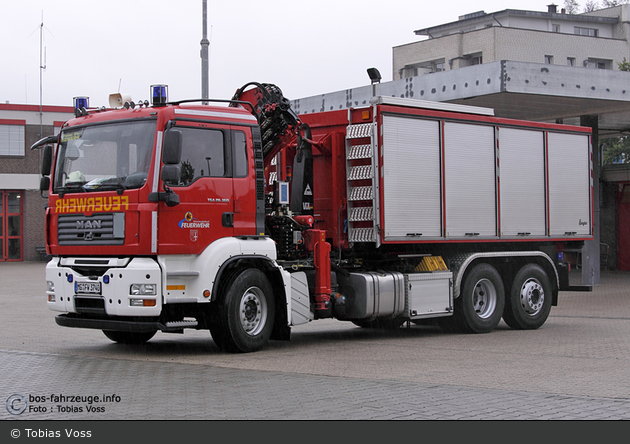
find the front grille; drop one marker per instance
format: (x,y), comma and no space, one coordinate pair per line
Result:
(98,229)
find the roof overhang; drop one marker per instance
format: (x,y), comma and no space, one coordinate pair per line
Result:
(518,90)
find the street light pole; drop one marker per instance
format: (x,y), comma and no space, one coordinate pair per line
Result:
(204,54)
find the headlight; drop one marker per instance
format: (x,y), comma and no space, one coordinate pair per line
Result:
(143,289)
(51,285)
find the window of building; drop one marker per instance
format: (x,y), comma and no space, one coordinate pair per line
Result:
(548,60)
(591,32)
(11,140)
(476,59)
(598,64)
(570,61)
(430,67)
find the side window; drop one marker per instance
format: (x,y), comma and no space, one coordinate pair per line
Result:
(239,148)
(203,154)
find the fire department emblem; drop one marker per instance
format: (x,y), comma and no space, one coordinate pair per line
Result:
(194,235)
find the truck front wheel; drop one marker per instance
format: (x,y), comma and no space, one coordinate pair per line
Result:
(479,307)
(242,320)
(529,302)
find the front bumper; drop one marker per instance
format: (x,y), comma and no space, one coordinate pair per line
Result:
(79,321)
(113,277)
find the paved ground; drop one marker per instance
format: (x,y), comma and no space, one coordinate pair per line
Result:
(575,367)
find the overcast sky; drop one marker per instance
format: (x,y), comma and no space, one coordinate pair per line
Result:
(93,48)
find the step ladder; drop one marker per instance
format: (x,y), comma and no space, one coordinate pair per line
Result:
(362,183)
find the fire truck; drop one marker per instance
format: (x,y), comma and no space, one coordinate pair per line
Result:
(245,218)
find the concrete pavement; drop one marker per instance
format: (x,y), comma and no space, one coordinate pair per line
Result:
(575,367)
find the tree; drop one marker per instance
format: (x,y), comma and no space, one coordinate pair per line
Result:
(611,3)
(624,65)
(571,6)
(615,150)
(591,6)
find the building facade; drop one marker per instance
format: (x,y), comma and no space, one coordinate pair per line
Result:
(597,40)
(22,209)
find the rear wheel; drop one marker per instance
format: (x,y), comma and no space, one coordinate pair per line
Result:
(243,320)
(479,307)
(125,337)
(529,302)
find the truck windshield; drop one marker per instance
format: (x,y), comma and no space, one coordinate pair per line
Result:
(104,157)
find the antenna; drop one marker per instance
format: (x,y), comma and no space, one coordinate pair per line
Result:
(42,67)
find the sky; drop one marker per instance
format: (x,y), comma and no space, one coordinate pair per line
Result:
(95,48)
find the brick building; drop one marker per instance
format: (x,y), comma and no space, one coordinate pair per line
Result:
(21,205)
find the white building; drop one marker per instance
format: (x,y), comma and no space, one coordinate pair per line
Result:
(598,40)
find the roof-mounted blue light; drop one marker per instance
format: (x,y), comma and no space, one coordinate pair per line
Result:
(81,105)
(159,95)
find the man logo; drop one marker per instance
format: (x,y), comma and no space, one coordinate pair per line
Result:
(89,224)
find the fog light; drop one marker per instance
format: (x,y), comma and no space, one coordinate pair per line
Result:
(143,289)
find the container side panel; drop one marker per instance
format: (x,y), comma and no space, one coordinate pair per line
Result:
(469,156)
(522,182)
(569,184)
(411,178)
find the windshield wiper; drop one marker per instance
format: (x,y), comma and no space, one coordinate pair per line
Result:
(112,183)
(72,187)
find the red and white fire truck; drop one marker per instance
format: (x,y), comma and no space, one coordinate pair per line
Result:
(244,218)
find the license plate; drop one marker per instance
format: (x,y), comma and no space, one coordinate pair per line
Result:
(87,287)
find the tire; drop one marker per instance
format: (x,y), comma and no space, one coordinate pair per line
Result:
(125,337)
(529,302)
(479,307)
(242,321)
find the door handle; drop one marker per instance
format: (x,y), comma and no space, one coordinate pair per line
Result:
(227,220)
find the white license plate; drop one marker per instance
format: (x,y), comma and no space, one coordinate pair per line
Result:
(87,287)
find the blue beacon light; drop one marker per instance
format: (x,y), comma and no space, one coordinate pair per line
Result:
(159,95)
(81,105)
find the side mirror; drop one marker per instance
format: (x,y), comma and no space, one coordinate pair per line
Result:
(47,160)
(44,183)
(171,199)
(172,152)
(170,174)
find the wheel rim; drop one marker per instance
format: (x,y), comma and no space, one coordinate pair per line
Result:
(484,298)
(532,296)
(253,311)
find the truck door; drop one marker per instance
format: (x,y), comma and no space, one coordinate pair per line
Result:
(205,188)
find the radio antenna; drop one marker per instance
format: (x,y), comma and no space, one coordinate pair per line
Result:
(42,67)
